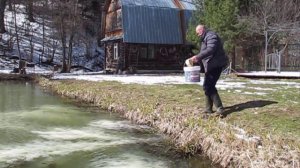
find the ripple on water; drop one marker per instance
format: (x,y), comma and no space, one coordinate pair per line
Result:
(129,160)
(15,135)
(63,141)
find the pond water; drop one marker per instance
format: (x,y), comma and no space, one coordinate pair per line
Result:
(39,130)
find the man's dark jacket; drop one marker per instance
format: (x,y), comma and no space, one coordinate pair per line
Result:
(212,53)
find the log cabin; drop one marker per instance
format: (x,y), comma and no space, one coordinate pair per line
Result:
(146,34)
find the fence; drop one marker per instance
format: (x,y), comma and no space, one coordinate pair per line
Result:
(279,58)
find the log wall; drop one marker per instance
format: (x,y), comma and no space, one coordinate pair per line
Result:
(146,56)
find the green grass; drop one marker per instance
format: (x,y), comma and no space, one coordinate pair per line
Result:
(276,113)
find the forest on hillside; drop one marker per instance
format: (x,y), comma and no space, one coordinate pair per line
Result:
(52,31)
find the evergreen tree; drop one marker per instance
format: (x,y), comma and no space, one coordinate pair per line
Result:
(195,20)
(219,16)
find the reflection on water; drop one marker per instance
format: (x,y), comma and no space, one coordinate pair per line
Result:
(38,130)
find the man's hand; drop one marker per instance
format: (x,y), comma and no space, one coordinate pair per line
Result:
(194,59)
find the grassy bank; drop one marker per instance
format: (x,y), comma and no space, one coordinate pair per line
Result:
(260,130)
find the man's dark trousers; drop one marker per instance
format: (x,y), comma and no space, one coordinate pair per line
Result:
(210,81)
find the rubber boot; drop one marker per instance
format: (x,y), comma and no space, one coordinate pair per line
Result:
(208,105)
(218,104)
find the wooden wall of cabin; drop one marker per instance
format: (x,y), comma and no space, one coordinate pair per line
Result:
(157,57)
(113,20)
(133,57)
(115,62)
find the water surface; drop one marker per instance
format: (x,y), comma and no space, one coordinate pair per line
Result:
(39,130)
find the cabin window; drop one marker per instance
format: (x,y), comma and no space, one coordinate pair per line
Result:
(151,52)
(116,51)
(143,52)
(147,53)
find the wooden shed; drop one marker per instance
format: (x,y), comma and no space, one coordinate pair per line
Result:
(146,34)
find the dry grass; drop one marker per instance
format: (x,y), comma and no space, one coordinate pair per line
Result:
(268,137)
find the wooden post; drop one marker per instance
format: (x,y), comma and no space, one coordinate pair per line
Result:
(22,67)
(266,49)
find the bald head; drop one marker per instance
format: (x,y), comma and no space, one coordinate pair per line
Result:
(200,30)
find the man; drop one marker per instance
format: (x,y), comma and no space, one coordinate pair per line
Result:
(214,59)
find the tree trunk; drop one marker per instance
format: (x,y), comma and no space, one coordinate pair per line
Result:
(2,10)
(31,45)
(72,34)
(43,34)
(17,31)
(63,41)
(30,10)
(54,46)
(10,7)
(102,29)
(70,53)
(63,38)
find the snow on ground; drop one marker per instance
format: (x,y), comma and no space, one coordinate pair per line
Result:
(225,83)
(7,65)
(36,70)
(229,84)
(271,74)
(127,79)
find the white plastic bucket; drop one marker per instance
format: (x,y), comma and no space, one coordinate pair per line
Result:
(192,74)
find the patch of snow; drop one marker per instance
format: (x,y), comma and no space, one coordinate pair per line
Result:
(271,74)
(127,79)
(254,93)
(155,79)
(224,85)
(250,93)
(263,89)
(272,82)
(5,71)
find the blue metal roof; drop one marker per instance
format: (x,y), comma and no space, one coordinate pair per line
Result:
(151,25)
(154,21)
(153,3)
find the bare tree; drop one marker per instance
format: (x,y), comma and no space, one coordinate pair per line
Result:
(51,52)
(60,13)
(67,25)
(31,47)
(274,15)
(268,17)
(29,8)
(16,27)
(22,63)
(43,32)
(10,7)
(63,38)
(2,10)
(31,44)
(73,25)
